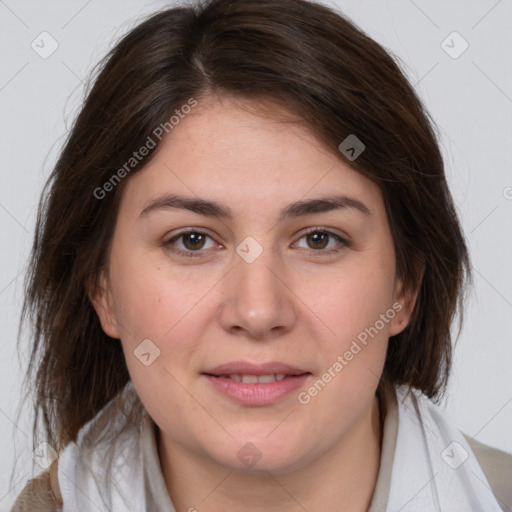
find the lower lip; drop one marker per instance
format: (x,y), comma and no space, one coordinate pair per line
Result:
(256,393)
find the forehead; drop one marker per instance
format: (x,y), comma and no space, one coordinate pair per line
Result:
(246,154)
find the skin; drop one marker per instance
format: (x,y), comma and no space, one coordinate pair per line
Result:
(295,303)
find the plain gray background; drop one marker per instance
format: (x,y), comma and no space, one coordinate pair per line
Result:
(469,97)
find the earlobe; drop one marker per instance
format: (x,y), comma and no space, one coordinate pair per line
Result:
(101,298)
(404,300)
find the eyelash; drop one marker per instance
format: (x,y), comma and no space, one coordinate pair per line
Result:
(194,254)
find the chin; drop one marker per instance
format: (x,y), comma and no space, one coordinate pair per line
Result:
(261,455)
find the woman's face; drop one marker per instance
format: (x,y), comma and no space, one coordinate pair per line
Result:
(252,287)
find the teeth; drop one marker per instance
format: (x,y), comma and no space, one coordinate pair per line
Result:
(266,378)
(253,379)
(250,379)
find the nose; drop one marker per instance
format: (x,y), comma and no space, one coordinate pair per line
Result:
(257,301)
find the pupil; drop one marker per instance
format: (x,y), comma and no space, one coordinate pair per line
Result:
(195,238)
(316,236)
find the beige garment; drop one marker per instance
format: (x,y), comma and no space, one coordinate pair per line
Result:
(37,496)
(497,467)
(41,494)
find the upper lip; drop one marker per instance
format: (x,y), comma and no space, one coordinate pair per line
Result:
(247,368)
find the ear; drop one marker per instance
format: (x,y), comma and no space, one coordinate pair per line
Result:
(404,299)
(101,298)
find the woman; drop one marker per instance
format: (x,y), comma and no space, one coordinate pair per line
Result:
(245,269)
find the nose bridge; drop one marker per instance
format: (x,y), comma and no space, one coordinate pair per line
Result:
(256,298)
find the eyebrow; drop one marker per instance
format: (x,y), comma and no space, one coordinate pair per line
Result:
(218,210)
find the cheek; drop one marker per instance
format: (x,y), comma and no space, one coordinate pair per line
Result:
(355,303)
(151,297)
(163,304)
(159,326)
(352,300)
(354,348)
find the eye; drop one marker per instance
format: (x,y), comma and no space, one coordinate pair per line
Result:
(319,239)
(193,241)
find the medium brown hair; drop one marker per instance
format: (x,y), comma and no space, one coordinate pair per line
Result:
(322,69)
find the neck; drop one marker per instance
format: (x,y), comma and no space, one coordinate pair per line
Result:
(346,474)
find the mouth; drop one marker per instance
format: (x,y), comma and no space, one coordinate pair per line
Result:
(268,371)
(253,384)
(256,379)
